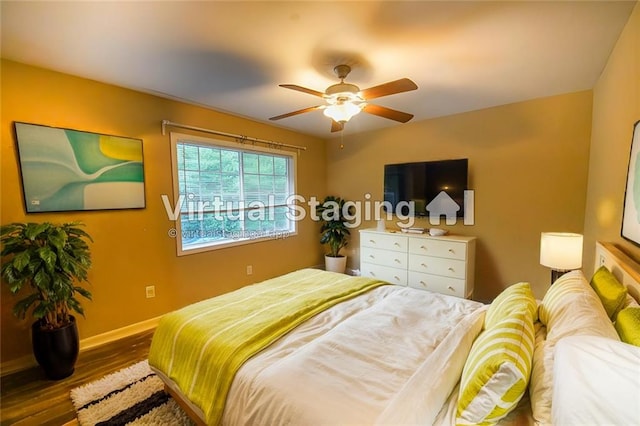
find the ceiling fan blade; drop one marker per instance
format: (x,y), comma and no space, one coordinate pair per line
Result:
(390,88)
(336,126)
(389,113)
(302,89)
(300,111)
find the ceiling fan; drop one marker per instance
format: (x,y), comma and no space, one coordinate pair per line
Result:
(344,100)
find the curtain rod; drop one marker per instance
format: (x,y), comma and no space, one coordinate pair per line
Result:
(240,138)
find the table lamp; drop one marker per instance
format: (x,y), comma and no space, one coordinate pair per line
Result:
(560,251)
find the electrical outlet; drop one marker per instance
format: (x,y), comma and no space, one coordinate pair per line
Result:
(150,291)
(249,269)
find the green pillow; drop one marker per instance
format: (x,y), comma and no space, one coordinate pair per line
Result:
(628,325)
(612,294)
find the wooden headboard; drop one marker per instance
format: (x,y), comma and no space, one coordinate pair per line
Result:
(625,269)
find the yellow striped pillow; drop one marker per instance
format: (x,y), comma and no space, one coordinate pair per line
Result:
(497,371)
(511,299)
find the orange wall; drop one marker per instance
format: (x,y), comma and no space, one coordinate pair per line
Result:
(616,107)
(131,248)
(527,164)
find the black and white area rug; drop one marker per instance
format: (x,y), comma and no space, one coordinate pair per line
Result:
(132,396)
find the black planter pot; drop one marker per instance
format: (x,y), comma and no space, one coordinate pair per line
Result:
(56,350)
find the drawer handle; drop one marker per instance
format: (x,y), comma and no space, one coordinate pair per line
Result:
(372,274)
(396,277)
(372,256)
(372,241)
(423,283)
(423,265)
(397,260)
(451,269)
(451,251)
(423,247)
(396,244)
(451,288)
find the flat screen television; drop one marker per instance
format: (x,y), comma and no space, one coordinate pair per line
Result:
(423,182)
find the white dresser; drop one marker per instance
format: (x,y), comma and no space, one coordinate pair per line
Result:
(441,264)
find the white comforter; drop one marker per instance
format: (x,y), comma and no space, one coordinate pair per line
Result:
(596,381)
(391,356)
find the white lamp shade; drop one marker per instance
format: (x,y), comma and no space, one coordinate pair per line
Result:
(561,251)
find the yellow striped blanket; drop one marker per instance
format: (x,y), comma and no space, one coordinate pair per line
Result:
(201,346)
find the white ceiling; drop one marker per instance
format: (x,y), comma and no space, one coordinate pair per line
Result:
(231,56)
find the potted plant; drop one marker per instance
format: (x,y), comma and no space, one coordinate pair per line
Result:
(334,232)
(45,261)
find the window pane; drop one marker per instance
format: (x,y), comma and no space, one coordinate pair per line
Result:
(232,225)
(266,164)
(281,221)
(280,184)
(251,224)
(191,158)
(251,183)
(190,230)
(209,159)
(280,198)
(231,184)
(192,178)
(279,166)
(266,184)
(250,163)
(230,161)
(180,156)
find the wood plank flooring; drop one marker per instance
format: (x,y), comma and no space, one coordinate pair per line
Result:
(29,398)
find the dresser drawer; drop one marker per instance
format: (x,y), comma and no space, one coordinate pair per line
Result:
(438,265)
(384,241)
(438,248)
(395,259)
(384,273)
(438,284)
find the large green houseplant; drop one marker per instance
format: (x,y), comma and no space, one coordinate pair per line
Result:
(334,231)
(45,262)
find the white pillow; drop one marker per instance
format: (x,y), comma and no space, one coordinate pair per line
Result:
(570,308)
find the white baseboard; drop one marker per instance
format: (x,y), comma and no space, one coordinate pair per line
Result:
(28,361)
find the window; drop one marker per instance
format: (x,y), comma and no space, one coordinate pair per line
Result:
(228,194)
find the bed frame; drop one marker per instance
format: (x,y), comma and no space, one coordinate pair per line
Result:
(186,407)
(625,269)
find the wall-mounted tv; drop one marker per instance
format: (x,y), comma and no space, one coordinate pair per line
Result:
(422,182)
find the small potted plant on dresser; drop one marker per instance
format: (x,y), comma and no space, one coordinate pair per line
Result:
(334,231)
(46,262)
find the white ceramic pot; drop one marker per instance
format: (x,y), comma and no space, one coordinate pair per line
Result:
(335,264)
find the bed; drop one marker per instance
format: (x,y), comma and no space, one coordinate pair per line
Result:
(313,347)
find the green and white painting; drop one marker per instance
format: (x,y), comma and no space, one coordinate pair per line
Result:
(65,169)
(631,215)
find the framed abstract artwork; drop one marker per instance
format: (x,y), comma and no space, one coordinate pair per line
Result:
(71,170)
(631,211)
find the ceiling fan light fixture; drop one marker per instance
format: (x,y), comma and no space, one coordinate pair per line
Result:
(341,112)
(344,100)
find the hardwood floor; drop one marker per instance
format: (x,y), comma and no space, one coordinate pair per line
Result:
(28,398)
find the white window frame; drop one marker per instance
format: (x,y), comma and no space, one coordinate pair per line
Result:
(240,147)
